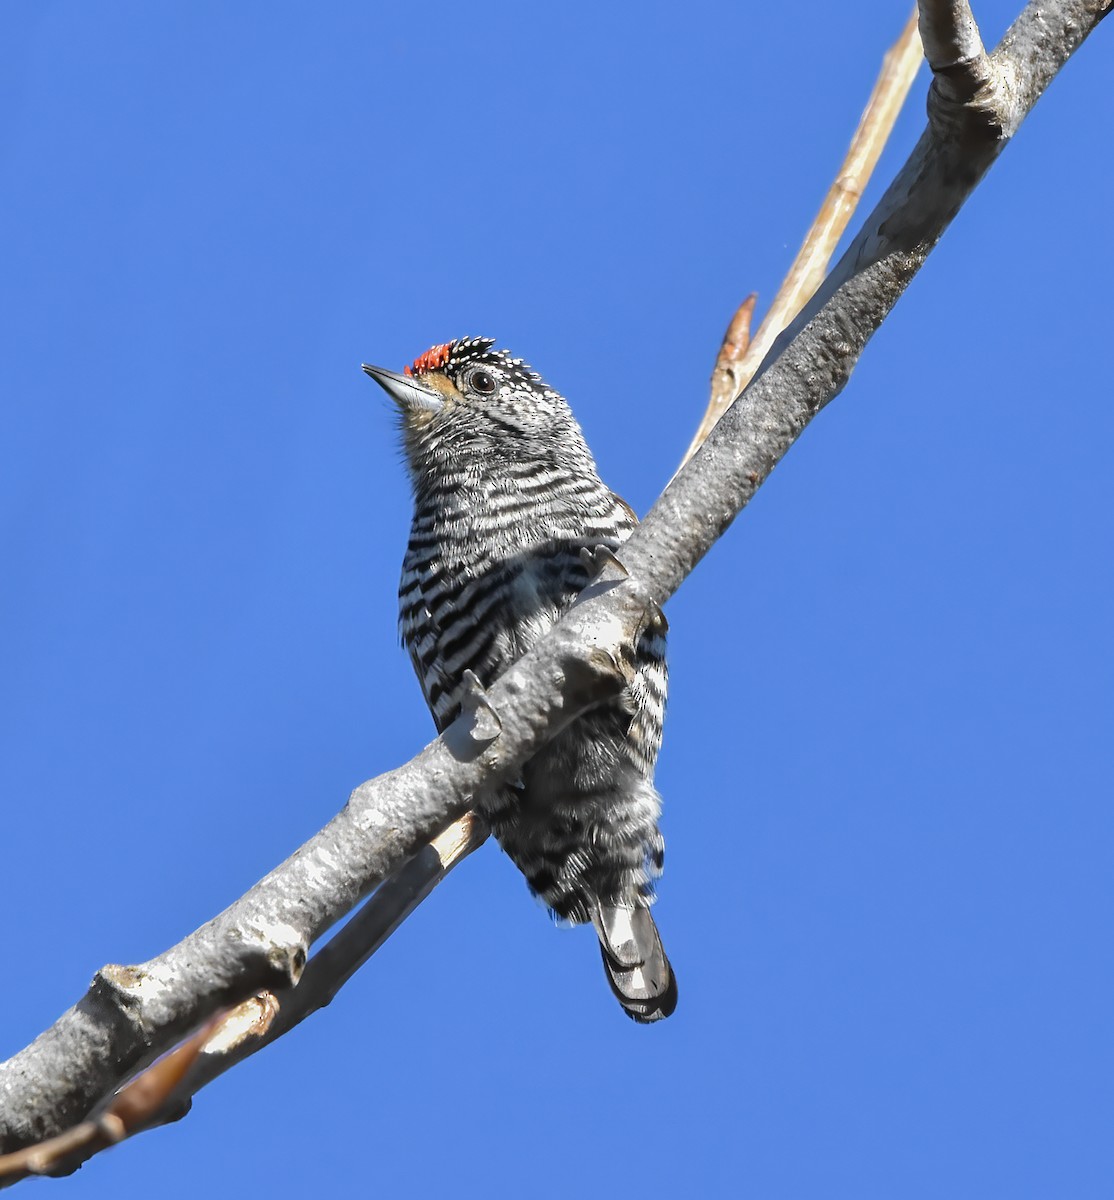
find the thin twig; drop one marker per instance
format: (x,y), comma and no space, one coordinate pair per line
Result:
(385,911)
(734,372)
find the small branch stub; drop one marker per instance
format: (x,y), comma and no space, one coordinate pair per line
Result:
(284,948)
(952,43)
(961,70)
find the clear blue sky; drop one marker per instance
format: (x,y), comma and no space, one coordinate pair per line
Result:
(888,892)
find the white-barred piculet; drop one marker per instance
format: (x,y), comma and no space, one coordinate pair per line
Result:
(506,496)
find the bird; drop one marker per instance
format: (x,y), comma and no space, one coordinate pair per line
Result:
(506,498)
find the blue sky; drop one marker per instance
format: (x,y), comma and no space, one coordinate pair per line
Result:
(888,891)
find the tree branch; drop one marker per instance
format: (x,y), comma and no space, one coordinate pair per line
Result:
(345,953)
(132,1014)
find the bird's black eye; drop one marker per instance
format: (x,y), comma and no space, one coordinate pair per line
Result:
(482,382)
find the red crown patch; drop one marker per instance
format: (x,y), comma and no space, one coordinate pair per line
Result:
(436,356)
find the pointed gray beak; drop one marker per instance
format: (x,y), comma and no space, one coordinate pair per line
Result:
(408,393)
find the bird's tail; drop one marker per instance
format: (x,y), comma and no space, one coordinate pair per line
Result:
(635,962)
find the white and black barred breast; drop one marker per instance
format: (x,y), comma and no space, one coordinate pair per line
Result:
(488,571)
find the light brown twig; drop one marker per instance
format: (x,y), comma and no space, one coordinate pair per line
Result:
(135,1106)
(734,370)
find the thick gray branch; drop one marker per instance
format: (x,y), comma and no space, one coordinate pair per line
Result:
(131,1014)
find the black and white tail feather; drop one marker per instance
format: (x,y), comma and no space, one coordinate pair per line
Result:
(635,962)
(506,498)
